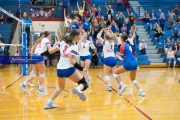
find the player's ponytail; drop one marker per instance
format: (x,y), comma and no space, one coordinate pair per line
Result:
(112,37)
(69,39)
(124,37)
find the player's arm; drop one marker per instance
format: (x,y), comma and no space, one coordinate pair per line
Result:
(100,39)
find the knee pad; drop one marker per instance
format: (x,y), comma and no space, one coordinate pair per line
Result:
(84,83)
(107,78)
(34,75)
(134,82)
(42,75)
(59,90)
(115,75)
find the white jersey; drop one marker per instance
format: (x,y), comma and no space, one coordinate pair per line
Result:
(65,50)
(68,22)
(42,46)
(108,49)
(84,47)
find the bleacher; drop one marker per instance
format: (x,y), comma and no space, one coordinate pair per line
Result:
(5,31)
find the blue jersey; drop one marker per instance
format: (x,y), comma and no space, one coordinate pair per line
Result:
(27,21)
(127,52)
(175,28)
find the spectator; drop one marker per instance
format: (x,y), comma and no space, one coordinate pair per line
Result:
(33,2)
(131,38)
(152,23)
(48,2)
(175,31)
(124,29)
(102,23)
(67,20)
(176,11)
(127,24)
(1,51)
(54,2)
(158,34)
(81,9)
(158,14)
(110,11)
(131,19)
(10,19)
(134,30)
(119,4)
(73,5)
(94,58)
(108,22)
(146,17)
(152,12)
(114,27)
(1,17)
(99,12)
(120,19)
(68,31)
(64,3)
(74,24)
(178,55)
(95,22)
(126,3)
(27,20)
(86,24)
(168,44)
(170,54)
(142,47)
(162,21)
(40,2)
(171,19)
(75,14)
(83,3)
(94,8)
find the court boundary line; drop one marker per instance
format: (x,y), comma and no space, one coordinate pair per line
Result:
(13,83)
(139,110)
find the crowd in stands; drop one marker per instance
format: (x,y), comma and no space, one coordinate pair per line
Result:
(156,26)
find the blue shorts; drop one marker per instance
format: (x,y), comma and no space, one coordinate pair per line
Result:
(36,59)
(171,59)
(61,73)
(84,58)
(130,65)
(110,61)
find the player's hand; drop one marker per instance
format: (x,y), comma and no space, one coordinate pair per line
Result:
(2,44)
(85,71)
(39,54)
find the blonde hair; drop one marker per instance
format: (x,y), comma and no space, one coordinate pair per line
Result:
(111,37)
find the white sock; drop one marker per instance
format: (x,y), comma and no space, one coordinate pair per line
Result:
(121,83)
(25,82)
(41,86)
(80,87)
(140,90)
(50,100)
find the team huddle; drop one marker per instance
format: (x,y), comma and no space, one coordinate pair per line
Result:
(77,44)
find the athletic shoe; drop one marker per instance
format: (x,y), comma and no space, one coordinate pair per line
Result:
(50,105)
(80,94)
(109,88)
(122,88)
(42,91)
(23,88)
(141,93)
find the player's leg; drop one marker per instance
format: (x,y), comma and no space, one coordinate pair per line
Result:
(107,73)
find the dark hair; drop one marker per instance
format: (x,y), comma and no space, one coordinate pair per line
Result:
(46,33)
(124,37)
(41,34)
(68,39)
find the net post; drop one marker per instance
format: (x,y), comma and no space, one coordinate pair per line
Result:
(25,52)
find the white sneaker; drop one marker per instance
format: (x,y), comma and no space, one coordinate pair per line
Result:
(23,88)
(42,91)
(122,88)
(80,94)
(50,105)
(109,88)
(141,93)
(30,85)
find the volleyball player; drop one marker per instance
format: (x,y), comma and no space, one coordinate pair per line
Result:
(85,57)
(109,57)
(39,65)
(130,62)
(67,67)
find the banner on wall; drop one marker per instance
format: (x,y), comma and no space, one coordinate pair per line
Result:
(42,12)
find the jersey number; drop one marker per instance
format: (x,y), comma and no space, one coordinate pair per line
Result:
(83,46)
(65,48)
(111,46)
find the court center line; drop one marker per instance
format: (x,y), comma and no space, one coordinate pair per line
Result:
(139,110)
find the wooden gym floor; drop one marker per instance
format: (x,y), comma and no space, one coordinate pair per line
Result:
(162,101)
